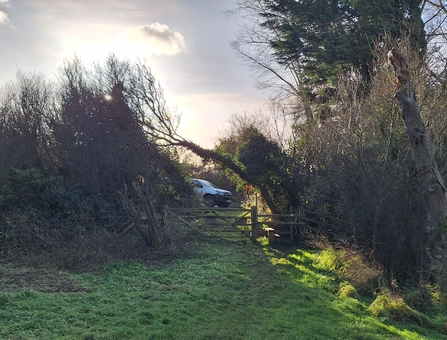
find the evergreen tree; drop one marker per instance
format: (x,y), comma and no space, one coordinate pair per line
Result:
(326,36)
(104,131)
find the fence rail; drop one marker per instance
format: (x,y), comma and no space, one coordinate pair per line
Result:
(251,223)
(272,225)
(231,218)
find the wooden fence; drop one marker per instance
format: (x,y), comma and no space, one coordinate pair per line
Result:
(207,219)
(248,221)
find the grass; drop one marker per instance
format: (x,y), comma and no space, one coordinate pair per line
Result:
(219,290)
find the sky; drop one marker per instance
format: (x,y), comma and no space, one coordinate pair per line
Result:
(186,43)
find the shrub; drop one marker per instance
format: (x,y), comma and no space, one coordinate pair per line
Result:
(39,211)
(352,267)
(346,289)
(394,307)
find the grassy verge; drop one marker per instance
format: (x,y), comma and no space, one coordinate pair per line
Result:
(219,290)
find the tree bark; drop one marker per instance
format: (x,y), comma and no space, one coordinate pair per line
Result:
(135,216)
(431,181)
(148,209)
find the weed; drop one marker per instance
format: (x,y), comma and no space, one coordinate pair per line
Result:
(351,267)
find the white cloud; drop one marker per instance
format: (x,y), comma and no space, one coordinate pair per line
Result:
(96,41)
(4,20)
(158,38)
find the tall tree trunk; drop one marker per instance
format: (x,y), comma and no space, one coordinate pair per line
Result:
(431,181)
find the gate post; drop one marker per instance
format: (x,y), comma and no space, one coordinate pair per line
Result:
(254,223)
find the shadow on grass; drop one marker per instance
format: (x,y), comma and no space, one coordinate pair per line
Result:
(220,290)
(321,313)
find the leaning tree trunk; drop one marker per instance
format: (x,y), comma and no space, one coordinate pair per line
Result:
(431,181)
(227,162)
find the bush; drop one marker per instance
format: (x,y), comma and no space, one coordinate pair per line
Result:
(353,268)
(393,307)
(39,211)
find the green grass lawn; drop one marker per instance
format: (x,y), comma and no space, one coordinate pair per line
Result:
(218,290)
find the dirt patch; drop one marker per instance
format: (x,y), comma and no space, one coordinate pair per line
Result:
(17,279)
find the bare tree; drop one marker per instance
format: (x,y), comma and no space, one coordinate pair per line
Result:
(253,44)
(435,11)
(435,22)
(26,109)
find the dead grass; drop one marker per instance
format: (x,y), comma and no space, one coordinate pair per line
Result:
(46,270)
(15,279)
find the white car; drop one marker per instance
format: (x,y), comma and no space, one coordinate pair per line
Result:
(211,194)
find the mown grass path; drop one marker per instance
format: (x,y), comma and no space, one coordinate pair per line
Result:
(220,290)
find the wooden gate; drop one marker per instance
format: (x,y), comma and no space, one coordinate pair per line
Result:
(246,221)
(209,220)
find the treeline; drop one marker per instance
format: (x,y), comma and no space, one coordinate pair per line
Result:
(356,166)
(333,141)
(69,146)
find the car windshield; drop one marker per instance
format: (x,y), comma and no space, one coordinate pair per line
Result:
(208,184)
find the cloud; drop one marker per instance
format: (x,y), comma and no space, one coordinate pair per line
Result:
(96,41)
(4,20)
(158,38)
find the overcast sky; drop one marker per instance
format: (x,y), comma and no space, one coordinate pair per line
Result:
(185,42)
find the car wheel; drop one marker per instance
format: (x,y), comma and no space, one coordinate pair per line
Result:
(210,201)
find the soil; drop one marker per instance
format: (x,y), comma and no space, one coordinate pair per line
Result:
(14,279)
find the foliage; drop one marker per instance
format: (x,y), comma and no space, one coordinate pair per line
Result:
(102,130)
(297,49)
(25,110)
(393,307)
(360,169)
(68,147)
(40,211)
(265,165)
(357,167)
(351,267)
(355,163)
(326,37)
(347,290)
(21,187)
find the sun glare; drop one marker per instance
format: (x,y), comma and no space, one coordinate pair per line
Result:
(107,97)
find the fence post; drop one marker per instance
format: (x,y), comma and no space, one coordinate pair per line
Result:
(254,223)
